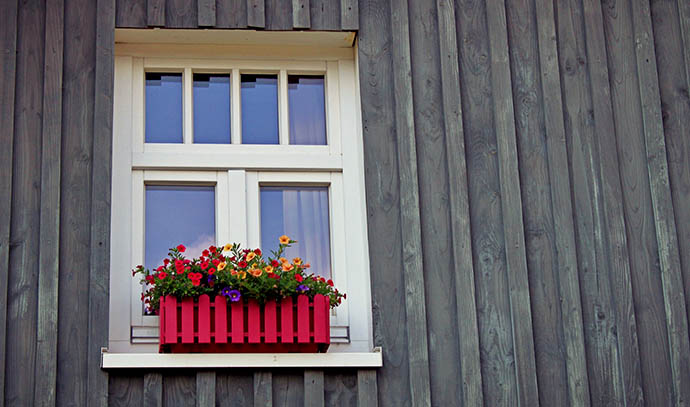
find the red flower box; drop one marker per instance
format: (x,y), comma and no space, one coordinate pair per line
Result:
(244,326)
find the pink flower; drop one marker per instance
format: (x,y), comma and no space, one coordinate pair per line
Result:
(181,248)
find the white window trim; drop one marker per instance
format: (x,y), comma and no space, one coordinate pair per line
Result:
(229,167)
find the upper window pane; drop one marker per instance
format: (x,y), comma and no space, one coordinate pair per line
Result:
(259,109)
(307,109)
(163,107)
(178,215)
(302,214)
(211,108)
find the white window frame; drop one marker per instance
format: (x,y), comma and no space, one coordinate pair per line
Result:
(238,171)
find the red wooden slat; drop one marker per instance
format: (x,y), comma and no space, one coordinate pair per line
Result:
(327,306)
(161,321)
(204,319)
(187,320)
(221,320)
(320,319)
(170,319)
(270,332)
(254,322)
(302,319)
(286,328)
(237,323)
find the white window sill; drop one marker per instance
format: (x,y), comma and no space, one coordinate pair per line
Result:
(240,360)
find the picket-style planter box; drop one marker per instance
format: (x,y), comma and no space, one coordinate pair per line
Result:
(215,326)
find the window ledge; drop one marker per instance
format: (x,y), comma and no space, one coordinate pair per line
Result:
(240,360)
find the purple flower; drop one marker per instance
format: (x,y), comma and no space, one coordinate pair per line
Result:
(302,288)
(225,291)
(234,295)
(210,278)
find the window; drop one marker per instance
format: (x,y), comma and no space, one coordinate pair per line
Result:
(220,144)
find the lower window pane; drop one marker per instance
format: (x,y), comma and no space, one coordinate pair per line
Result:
(302,214)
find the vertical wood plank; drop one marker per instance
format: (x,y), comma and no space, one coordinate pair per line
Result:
(561,206)
(179,389)
(125,390)
(8,61)
(684,19)
(321,325)
(51,130)
(131,13)
(349,15)
(278,14)
(415,309)
(263,389)
(313,388)
(270,322)
(366,388)
(513,227)
(234,388)
(256,15)
(155,13)
(288,388)
(153,390)
(300,14)
(302,319)
(286,325)
(99,274)
(204,319)
(340,388)
(254,322)
(231,13)
(205,389)
(458,201)
(206,12)
(325,15)
(181,14)
(237,321)
(187,320)
(662,204)
(221,316)
(170,319)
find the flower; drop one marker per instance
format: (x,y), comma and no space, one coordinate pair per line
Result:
(166,261)
(330,282)
(275,276)
(284,240)
(234,295)
(250,256)
(181,248)
(297,261)
(225,291)
(221,265)
(213,249)
(302,288)
(283,260)
(257,252)
(227,247)
(299,277)
(195,277)
(205,253)
(268,269)
(255,272)
(211,271)
(242,274)
(162,275)
(306,266)
(204,265)
(242,264)
(288,267)
(275,263)
(215,262)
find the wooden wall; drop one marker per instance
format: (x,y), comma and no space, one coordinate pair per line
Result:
(528,195)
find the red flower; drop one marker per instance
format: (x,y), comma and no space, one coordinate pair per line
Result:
(233,258)
(298,277)
(275,263)
(242,264)
(274,276)
(211,271)
(149,279)
(166,261)
(205,253)
(257,252)
(178,263)
(213,249)
(330,282)
(160,268)
(215,262)
(186,261)
(162,275)
(181,248)
(204,265)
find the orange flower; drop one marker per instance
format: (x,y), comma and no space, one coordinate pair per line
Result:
(284,240)
(306,266)
(233,272)
(221,266)
(283,260)
(242,274)
(296,261)
(255,272)
(288,267)
(250,256)
(268,269)
(227,247)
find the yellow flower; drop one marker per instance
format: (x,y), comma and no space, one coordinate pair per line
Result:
(283,260)
(221,266)
(284,240)
(255,272)
(242,274)
(287,267)
(268,269)
(250,256)
(296,261)
(227,247)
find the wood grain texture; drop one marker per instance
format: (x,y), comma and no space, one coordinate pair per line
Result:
(231,14)
(126,389)
(48,259)
(349,15)
(99,275)
(325,15)
(179,388)
(301,17)
(153,390)
(155,13)
(562,208)
(75,282)
(366,388)
(662,205)
(341,388)
(131,13)
(8,64)
(458,202)
(288,388)
(234,389)
(279,14)
(181,14)
(516,263)
(412,269)
(20,328)
(205,389)
(263,388)
(206,13)
(313,388)
(256,14)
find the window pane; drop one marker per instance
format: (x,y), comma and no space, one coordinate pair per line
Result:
(307,110)
(163,107)
(178,215)
(259,109)
(302,214)
(211,108)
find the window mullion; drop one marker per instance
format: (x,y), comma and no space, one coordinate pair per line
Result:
(235,107)
(284,132)
(188,109)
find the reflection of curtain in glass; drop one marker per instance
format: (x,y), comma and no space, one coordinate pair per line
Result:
(305,214)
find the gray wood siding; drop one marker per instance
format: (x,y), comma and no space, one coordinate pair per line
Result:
(527,167)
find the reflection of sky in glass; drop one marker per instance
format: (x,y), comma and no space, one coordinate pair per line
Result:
(163,107)
(259,109)
(211,108)
(178,215)
(302,214)
(307,110)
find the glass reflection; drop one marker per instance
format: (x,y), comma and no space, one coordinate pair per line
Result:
(163,107)
(301,213)
(259,109)
(307,109)
(211,108)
